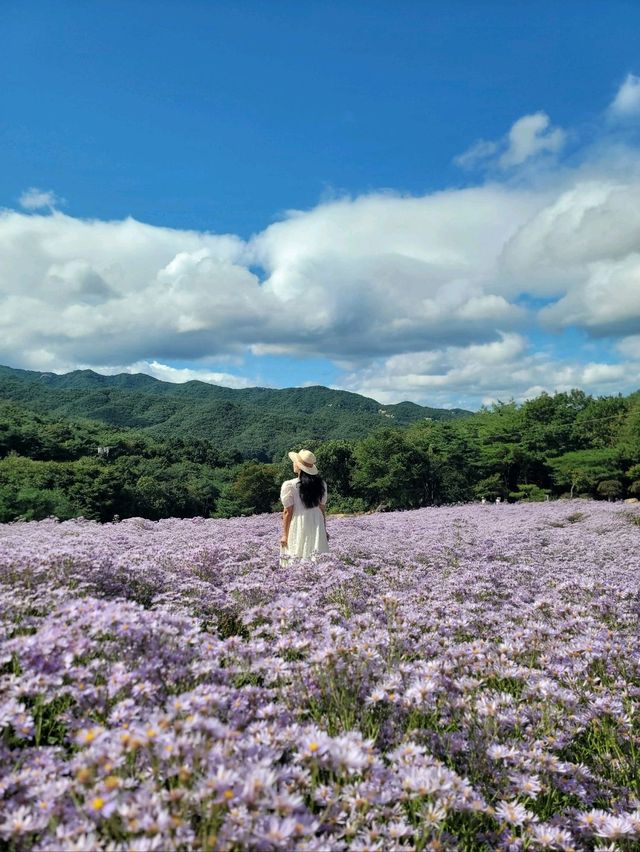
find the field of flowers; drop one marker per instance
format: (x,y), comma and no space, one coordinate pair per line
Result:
(451,678)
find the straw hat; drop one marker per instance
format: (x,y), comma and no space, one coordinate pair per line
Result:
(305,460)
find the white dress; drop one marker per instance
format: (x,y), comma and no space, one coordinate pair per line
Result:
(307,533)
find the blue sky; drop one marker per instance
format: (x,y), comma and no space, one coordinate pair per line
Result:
(219,118)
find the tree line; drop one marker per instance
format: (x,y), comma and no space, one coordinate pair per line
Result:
(260,423)
(554,445)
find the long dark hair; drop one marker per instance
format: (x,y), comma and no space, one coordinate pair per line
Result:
(311,489)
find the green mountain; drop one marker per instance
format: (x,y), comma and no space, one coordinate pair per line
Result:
(258,422)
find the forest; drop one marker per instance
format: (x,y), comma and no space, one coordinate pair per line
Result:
(566,444)
(259,423)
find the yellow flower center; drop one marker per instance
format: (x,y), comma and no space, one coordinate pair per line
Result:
(84,775)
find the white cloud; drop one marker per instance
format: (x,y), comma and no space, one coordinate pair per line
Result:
(479,152)
(180,374)
(459,376)
(584,250)
(37,199)
(603,374)
(349,279)
(381,273)
(629,347)
(528,137)
(627,100)
(415,297)
(608,301)
(117,292)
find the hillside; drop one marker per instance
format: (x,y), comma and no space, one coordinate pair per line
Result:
(258,422)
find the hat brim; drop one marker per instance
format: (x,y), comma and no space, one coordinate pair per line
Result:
(312,471)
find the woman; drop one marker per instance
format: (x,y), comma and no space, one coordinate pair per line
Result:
(304,523)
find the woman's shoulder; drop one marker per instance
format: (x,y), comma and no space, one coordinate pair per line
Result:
(290,483)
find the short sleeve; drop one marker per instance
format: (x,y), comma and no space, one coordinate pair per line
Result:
(286,495)
(323,499)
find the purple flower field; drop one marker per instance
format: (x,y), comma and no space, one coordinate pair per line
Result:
(450,678)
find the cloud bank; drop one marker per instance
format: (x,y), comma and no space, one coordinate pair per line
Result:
(453,298)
